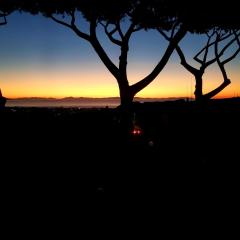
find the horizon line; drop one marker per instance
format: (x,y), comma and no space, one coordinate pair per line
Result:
(70,97)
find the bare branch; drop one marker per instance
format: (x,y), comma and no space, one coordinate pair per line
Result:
(225,34)
(218,55)
(237,38)
(111,33)
(229,43)
(232,57)
(206,49)
(164,34)
(71,26)
(124,51)
(161,64)
(210,44)
(221,66)
(213,60)
(61,22)
(210,62)
(184,62)
(119,29)
(226,81)
(73,18)
(101,52)
(217,90)
(174,28)
(129,32)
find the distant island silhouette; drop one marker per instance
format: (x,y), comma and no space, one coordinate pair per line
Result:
(88,102)
(95,98)
(77,101)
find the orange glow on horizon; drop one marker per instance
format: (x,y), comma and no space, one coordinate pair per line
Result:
(172,82)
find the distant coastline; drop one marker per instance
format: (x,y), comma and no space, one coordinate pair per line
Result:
(82,102)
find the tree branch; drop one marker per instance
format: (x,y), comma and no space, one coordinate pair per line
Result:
(213,60)
(206,49)
(184,62)
(179,51)
(221,66)
(229,43)
(210,44)
(164,34)
(111,33)
(72,26)
(101,52)
(176,23)
(119,29)
(226,80)
(232,57)
(210,62)
(237,38)
(236,52)
(217,90)
(124,51)
(60,22)
(163,61)
(129,32)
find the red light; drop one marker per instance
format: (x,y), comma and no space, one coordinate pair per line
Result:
(136,132)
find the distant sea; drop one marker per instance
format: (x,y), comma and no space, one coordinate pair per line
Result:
(75,102)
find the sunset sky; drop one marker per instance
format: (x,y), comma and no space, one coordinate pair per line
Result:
(40,58)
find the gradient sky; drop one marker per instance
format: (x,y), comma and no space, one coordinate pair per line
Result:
(40,58)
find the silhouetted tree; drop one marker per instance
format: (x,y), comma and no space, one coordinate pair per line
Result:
(204,17)
(6,7)
(213,40)
(119,20)
(2,100)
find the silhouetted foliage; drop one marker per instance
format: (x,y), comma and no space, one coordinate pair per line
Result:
(203,15)
(6,7)
(2,100)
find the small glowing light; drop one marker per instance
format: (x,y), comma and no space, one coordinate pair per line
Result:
(136,131)
(150,143)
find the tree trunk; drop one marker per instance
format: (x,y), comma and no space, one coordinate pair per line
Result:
(125,108)
(126,96)
(198,89)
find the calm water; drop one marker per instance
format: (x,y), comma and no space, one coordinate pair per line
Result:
(63,103)
(76,102)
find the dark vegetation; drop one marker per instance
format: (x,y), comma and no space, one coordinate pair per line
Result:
(64,155)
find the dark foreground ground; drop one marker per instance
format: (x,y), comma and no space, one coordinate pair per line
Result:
(187,156)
